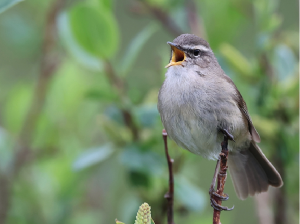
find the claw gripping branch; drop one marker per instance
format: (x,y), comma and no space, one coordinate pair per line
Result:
(218,196)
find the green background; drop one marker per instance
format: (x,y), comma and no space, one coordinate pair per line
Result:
(80,134)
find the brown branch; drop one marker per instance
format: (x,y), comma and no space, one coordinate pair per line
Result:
(263,209)
(299,8)
(113,78)
(279,194)
(48,65)
(221,179)
(266,66)
(170,194)
(119,86)
(280,197)
(5,192)
(194,20)
(163,17)
(129,122)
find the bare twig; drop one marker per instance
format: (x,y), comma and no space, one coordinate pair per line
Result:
(280,199)
(5,192)
(266,66)
(221,181)
(164,18)
(48,65)
(119,85)
(113,78)
(263,209)
(170,194)
(129,122)
(194,20)
(299,7)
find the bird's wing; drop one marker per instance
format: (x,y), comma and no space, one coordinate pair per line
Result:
(243,108)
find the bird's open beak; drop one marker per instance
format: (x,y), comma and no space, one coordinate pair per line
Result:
(178,56)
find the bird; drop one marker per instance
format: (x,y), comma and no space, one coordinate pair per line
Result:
(197,102)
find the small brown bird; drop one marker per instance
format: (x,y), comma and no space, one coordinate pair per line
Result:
(197,101)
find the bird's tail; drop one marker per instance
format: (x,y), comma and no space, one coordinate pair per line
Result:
(252,172)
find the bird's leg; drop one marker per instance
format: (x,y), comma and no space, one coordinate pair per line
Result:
(213,194)
(227,135)
(217,196)
(213,183)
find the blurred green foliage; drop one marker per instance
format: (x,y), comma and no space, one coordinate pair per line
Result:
(95,28)
(5,4)
(97,151)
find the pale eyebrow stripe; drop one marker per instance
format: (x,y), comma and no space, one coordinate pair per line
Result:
(200,47)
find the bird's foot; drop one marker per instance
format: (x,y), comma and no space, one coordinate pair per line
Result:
(223,197)
(213,194)
(227,134)
(218,207)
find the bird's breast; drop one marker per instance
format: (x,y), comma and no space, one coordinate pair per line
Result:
(188,116)
(192,109)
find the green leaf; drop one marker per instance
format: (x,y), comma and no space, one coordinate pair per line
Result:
(148,162)
(135,47)
(83,57)
(100,94)
(284,62)
(114,113)
(110,126)
(92,156)
(118,222)
(267,128)
(147,115)
(6,150)
(139,179)
(5,4)
(85,217)
(237,60)
(16,107)
(189,194)
(107,4)
(95,29)
(128,206)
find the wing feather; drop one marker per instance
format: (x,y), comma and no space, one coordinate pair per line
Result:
(243,108)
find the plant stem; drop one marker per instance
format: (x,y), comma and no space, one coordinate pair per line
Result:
(48,65)
(194,19)
(170,194)
(221,178)
(162,16)
(119,85)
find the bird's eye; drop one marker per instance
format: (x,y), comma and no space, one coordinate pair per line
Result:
(196,52)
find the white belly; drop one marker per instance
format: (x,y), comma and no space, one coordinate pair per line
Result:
(194,135)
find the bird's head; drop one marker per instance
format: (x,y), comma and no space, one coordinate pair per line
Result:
(190,50)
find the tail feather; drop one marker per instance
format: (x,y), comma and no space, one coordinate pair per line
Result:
(274,177)
(252,172)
